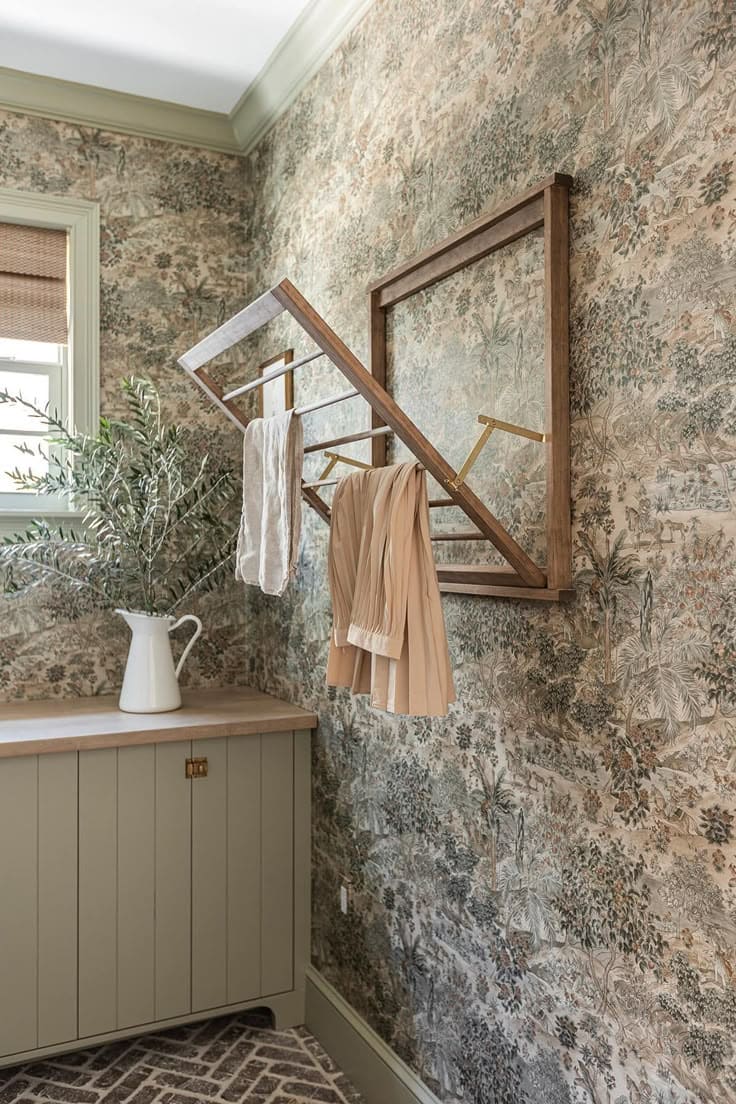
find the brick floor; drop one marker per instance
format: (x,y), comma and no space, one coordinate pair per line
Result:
(231,1060)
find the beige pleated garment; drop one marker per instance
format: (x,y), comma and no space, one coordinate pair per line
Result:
(388,637)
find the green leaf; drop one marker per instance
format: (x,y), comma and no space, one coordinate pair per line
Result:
(159,524)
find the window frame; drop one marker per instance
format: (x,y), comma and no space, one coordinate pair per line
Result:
(80,218)
(59,378)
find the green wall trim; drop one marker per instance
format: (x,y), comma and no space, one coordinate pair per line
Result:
(375,1070)
(304,49)
(117,111)
(316,33)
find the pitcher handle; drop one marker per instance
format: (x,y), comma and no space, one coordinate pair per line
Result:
(190,645)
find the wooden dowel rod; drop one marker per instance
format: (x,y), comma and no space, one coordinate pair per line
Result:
(481,574)
(320,403)
(434,503)
(305,359)
(470,534)
(321,483)
(366,433)
(281,370)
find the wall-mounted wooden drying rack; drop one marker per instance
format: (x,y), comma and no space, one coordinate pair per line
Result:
(543,206)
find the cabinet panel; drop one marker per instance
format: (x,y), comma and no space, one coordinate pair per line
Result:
(277,857)
(209,877)
(243,874)
(173,864)
(98,771)
(18,913)
(135,905)
(134,886)
(302,854)
(244,868)
(57,898)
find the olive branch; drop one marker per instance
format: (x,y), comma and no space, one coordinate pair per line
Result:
(157,526)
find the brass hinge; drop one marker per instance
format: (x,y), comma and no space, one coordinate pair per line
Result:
(196,768)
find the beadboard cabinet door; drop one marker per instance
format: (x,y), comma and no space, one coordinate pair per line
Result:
(38,901)
(186,885)
(173,874)
(242,870)
(134,886)
(277,863)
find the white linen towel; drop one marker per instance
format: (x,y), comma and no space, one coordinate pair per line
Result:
(270,527)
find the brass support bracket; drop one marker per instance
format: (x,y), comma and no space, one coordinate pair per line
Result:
(335,458)
(489,424)
(328,469)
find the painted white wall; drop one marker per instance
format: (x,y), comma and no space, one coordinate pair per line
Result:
(202,54)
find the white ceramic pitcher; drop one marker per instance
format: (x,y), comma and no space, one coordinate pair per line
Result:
(151,685)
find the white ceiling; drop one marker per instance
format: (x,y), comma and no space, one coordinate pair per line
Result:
(201,53)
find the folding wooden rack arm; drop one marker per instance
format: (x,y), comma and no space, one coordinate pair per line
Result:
(523,578)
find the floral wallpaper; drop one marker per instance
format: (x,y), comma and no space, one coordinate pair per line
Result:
(543,885)
(486,324)
(171,266)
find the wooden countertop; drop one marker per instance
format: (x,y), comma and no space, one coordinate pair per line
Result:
(35,728)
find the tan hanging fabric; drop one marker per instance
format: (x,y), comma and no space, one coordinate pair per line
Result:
(33,283)
(388,638)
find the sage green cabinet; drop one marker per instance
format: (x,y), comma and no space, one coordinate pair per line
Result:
(134,886)
(172,857)
(242,871)
(179,910)
(132,895)
(38,901)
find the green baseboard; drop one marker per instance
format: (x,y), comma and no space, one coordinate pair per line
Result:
(379,1075)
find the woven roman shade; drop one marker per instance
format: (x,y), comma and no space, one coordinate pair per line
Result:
(33,291)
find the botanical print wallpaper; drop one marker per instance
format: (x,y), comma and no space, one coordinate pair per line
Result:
(544,884)
(171,257)
(485,327)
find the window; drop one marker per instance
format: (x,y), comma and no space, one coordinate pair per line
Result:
(49,334)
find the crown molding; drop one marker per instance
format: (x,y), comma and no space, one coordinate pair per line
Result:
(314,35)
(88,105)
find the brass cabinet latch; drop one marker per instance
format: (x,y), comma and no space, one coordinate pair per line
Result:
(196,768)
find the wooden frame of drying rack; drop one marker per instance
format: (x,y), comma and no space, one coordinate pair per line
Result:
(545,206)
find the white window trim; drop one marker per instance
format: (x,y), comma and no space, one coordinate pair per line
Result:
(81,220)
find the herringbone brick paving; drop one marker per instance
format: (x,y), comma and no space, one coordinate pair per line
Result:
(231,1060)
